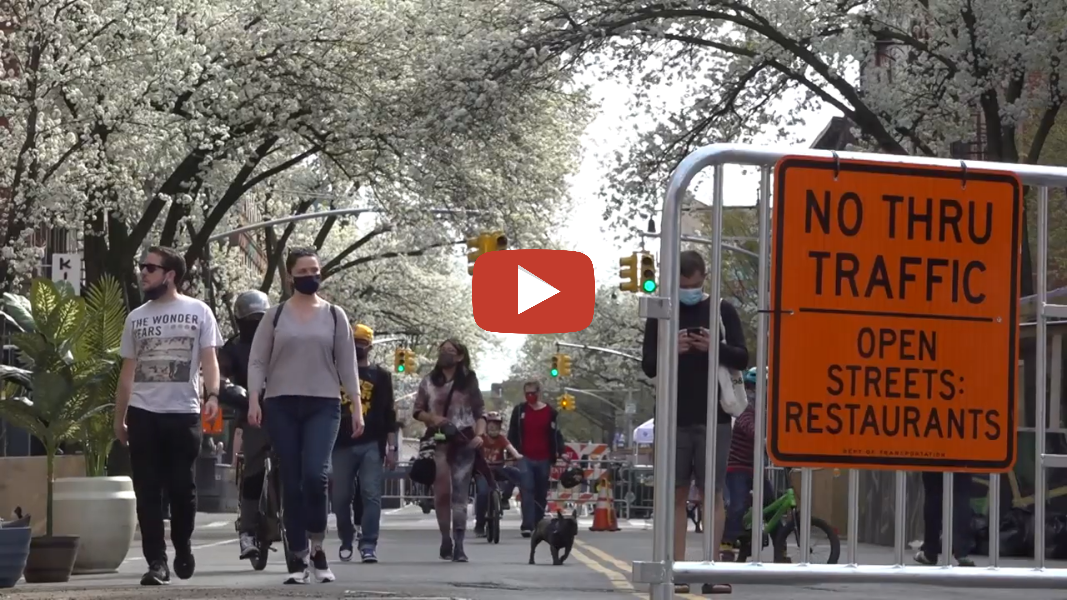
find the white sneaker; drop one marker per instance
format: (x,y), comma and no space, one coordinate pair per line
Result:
(323,574)
(298,572)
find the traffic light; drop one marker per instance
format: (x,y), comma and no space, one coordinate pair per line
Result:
(648,273)
(494,241)
(564,365)
(474,244)
(400,360)
(628,273)
(566,402)
(410,365)
(482,243)
(554,371)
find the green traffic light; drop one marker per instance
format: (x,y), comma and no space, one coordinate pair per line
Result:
(649,286)
(400,368)
(554,372)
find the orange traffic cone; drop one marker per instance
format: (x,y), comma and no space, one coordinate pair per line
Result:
(604,517)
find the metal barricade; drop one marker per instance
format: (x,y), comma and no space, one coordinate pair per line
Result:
(662,572)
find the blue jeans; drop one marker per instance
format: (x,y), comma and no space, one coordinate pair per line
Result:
(302,430)
(739,498)
(363,461)
(507,478)
(534,491)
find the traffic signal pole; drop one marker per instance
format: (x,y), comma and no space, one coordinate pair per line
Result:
(628,417)
(708,242)
(599,349)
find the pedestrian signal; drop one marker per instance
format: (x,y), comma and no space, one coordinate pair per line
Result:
(564,365)
(554,371)
(628,273)
(648,273)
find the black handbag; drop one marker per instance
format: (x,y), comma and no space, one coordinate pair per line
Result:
(424,467)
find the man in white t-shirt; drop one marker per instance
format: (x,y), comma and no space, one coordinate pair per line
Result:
(166,345)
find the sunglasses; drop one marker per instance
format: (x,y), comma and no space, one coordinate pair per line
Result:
(151,268)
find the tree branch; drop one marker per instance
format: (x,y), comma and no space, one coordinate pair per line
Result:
(366,259)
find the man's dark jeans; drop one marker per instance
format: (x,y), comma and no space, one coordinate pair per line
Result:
(163,452)
(962,538)
(303,430)
(365,462)
(534,491)
(507,478)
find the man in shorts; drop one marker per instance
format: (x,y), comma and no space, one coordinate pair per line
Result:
(694,318)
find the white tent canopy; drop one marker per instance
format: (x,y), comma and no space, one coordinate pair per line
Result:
(644,433)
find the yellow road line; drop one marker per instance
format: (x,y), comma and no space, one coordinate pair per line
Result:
(619,574)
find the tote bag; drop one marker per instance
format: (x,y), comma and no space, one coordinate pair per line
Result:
(732,395)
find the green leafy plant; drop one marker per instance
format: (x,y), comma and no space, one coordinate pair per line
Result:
(67,365)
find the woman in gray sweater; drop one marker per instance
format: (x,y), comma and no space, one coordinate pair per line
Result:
(301,354)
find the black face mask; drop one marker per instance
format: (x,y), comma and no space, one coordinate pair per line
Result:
(361,353)
(246,329)
(307,284)
(446,361)
(155,293)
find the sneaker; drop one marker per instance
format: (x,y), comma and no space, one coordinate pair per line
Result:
(924,559)
(298,572)
(479,531)
(323,574)
(526,533)
(446,549)
(368,556)
(345,553)
(505,505)
(458,555)
(249,549)
(964,561)
(184,564)
(157,574)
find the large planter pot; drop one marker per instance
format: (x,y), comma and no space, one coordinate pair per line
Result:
(14,548)
(102,512)
(51,559)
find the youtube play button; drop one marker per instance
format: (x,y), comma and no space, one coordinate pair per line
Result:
(533,291)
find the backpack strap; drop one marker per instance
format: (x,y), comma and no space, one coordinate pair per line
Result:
(278,313)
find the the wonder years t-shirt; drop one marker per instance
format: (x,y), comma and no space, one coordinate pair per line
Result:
(166,339)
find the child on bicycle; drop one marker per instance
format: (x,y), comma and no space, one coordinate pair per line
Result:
(495,448)
(739,475)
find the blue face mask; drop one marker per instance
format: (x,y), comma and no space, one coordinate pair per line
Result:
(690,296)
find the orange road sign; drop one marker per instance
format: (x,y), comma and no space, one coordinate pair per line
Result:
(894,324)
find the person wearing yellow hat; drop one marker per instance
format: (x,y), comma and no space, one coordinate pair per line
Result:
(365,456)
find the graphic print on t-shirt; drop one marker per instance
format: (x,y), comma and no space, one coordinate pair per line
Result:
(164,360)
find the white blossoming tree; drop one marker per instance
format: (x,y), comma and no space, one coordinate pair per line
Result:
(911,76)
(138,122)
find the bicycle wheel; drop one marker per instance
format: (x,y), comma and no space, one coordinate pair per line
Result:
(492,521)
(259,562)
(829,546)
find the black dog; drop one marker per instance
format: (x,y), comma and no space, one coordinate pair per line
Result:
(559,533)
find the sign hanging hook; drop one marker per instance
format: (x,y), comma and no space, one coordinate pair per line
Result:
(963,175)
(837,164)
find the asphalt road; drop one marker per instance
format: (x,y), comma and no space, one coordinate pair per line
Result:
(599,569)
